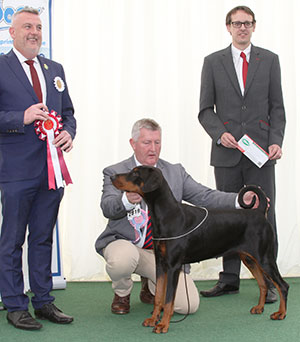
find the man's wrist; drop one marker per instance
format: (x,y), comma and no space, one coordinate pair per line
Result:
(128,206)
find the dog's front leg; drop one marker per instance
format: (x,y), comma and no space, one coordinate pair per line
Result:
(163,325)
(160,294)
(172,281)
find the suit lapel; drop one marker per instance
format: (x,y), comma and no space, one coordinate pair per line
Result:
(130,163)
(47,76)
(227,61)
(19,72)
(160,165)
(252,68)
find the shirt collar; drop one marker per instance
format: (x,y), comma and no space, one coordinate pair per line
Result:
(138,163)
(21,58)
(237,52)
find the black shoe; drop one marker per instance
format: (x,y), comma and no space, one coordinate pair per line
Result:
(271,296)
(23,320)
(53,314)
(220,289)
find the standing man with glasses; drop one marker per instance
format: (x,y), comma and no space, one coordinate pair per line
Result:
(241,94)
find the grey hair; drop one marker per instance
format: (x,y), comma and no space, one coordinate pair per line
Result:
(26,9)
(144,123)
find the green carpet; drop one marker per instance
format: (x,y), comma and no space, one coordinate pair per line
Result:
(223,319)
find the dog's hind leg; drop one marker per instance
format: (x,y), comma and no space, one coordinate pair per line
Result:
(281,313)
(251,263)
(273,275)
(282,288)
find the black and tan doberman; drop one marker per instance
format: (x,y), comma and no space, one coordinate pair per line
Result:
(185,234)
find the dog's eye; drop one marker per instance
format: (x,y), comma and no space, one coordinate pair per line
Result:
(134,176)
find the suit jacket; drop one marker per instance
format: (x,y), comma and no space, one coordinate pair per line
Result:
(223,108)
(183,186)
(22,154)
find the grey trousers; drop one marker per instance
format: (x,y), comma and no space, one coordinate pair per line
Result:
(232,179)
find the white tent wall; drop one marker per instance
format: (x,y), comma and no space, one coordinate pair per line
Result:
(128,59)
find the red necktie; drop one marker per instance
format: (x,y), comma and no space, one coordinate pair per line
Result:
(148,244)
(245,68)
(35,80)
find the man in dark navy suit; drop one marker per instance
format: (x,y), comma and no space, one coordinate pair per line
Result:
(25,195)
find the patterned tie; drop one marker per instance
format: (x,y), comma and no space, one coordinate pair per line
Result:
(245,68)
(148,244)
(35,81)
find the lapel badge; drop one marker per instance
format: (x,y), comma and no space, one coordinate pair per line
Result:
(46,66)
(59,84)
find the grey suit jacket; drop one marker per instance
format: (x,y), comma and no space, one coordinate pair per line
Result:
(183,186)
(259,113)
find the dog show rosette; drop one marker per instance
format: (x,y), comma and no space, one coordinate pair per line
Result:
(57,168)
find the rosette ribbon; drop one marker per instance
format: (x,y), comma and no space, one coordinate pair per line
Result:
(57,168)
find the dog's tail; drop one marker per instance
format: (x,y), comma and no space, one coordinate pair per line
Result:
(263,201)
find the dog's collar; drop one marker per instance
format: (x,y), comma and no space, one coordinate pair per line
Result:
(185,234)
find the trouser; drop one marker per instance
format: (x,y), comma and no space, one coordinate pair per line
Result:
(232,179)
(123,259)
(29,204)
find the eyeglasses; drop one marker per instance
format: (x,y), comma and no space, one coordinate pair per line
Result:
(238,24)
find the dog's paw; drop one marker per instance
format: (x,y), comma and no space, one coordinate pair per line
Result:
(257,310)
(277,316)
(149,322)
(161,328)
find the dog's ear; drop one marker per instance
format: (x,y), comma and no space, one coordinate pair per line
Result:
(153,181)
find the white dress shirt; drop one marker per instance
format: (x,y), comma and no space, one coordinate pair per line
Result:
(238,63)
(38,69)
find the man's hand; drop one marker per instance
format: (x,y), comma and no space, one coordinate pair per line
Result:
(64,141)
(133,197)
(248,199)
(275,152)
(228,140)
(36,112)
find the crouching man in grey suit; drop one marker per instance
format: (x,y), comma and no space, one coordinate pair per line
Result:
(126,243)
(241,94)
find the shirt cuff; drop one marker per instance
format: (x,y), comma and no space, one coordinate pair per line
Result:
(237,206)
(128,206)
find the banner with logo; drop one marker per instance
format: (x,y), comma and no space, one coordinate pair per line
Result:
(7,9)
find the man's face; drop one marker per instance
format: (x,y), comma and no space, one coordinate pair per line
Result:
(27,34)
(241,37)
(147,147)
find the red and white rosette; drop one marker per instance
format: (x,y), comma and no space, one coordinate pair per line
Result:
(57,168)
